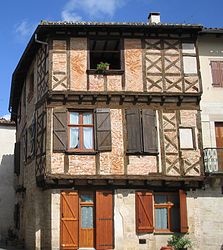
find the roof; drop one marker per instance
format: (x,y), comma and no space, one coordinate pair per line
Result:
(5,122)
(46,28)
(206,30)
(115,24)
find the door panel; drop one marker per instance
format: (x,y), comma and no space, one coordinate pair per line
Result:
(69,220)
(219,143)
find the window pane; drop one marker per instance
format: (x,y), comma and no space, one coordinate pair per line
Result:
(88,138)
(86,217)
(74,118)
(87,118)
(160,199)
(161,218)
(86,197)
(74,138)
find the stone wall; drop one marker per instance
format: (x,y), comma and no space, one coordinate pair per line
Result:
(7,193)
(205,226)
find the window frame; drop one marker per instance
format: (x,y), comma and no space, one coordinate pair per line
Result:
(169,206)
(188,55)
(80,126)
(109,71)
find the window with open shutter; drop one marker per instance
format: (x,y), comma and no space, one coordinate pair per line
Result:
(69,220)
(144,212)
(217,73)
(103,130)
(141,131)
(104,220)
(60,130)
(183,212)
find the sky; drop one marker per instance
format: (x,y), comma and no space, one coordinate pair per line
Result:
(19,18)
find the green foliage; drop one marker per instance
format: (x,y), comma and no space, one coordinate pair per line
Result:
(179,241)
(102,66)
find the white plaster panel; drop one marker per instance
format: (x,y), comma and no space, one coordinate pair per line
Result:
(190,65)
(188,48)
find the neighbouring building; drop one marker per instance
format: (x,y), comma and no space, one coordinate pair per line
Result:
(7,191)
(210,200)
(109,158)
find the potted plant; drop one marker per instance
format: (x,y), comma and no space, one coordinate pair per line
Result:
(102,67)
(179,242)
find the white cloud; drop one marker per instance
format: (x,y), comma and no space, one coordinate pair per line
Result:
(7,116)
(24,29)
(92,8)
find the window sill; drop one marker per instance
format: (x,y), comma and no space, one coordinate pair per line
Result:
(71,152)
(106,72)
(217,85)
(164,232)
(142,154)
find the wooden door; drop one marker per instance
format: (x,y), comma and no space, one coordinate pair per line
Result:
(69,220)
(219,143)
(104,220)
(86,220)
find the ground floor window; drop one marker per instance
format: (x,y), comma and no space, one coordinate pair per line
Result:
(161,212)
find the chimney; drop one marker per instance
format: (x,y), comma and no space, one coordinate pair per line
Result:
(154,17)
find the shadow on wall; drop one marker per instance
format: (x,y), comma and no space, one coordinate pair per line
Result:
(7,195)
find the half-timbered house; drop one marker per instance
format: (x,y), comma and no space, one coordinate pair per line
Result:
(109,158)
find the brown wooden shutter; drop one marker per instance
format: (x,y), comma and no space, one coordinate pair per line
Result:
(144,212)
(104,220)
(134,131)
(149,131)
(69,220)
(60,130)
(217,73)
(103,130)
(17,158)
(183,212)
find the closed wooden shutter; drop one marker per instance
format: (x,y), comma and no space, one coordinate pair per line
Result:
(149,131)
(103,130)
(144,212)
(217,73)
(69,220)
(60,130)
(104,220)
(183,212)
(134,131)
(17,158)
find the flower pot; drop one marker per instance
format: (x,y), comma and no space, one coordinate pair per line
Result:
(182,248)
(166,248)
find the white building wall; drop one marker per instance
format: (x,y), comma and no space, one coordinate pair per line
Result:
(210,49)
(7,192)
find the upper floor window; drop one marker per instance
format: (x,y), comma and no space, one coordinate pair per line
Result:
(106,51)
(141,131)
(217,73)
(189,58)
(81,130)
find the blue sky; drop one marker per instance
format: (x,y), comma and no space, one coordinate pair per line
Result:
(18,20)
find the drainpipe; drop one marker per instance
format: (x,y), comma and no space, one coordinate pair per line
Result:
(38,41)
